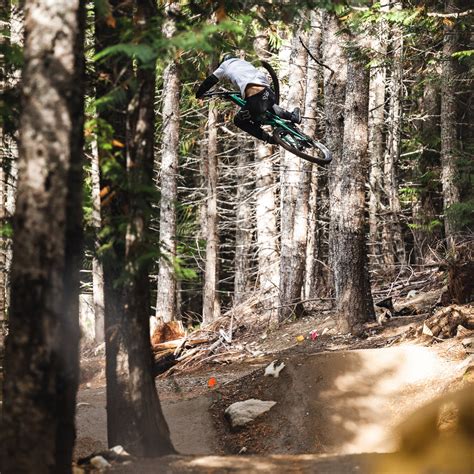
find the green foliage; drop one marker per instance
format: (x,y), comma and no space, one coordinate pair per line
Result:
(6,230)
(182,271)
(464,54)
(102,7)
(408,194)
(12,55)
(141,52)
(462,215)
(429,227)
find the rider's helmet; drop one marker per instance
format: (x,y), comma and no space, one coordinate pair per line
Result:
(226,56)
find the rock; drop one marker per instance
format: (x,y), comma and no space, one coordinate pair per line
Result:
(273,370)
(99,462)
(119,450)
(241,413)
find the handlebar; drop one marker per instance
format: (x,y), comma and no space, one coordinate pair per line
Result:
(221,93)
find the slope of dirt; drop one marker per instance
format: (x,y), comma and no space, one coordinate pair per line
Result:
(329,402)
(338,396)
(335,402)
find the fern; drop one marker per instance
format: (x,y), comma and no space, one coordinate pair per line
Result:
(141,52)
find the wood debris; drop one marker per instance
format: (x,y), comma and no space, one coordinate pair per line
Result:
(449,321)
(176,351)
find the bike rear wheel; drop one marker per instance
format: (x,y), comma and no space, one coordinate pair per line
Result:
(303,146)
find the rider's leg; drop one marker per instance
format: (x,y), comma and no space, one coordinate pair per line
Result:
(294,116)
(244,122)
(259,103)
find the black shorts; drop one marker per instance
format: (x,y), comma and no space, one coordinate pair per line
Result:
(257,105)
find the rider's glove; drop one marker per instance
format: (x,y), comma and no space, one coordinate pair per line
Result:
(206,85)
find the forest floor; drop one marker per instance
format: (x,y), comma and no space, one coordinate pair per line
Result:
(337,398)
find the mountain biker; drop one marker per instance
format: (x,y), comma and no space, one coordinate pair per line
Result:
(255,89)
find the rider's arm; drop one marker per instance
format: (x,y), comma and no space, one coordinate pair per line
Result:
(210,81)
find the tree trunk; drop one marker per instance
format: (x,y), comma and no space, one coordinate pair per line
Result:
(113,209)
(265,211)
(151,435)
(294,189)
(393,242)
(267,233)
(334,98)
(349,255)
(449,144)
(166,303)
(244,228)
(134,416)
(97,268)
(42,352)
(376,140)
(425,212)
(5,26)
(313,78)
(211,310)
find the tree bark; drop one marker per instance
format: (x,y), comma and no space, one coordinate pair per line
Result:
(393,241)
(349,255)
(166,303)
(376,140)
(267,233)
(425,211)
(113,207)
(334,98)
(244,228)
(313,79)
(211,309)
(294,193)
(449,143)
(97,268)
(151,435)
(134,416)
(266,211)
(42,352)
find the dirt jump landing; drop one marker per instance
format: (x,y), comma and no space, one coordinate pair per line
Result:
(332,408)
(337,402)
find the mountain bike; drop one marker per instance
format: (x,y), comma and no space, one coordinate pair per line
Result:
(285,133)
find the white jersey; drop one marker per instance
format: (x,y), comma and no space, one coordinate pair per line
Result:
(241,73)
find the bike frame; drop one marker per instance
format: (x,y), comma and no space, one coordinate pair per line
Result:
(271,119)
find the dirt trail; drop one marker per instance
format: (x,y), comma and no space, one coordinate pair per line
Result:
(190,423)
(331,402)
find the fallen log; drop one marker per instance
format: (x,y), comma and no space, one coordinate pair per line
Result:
(177,343)
(421,303)
(445,322)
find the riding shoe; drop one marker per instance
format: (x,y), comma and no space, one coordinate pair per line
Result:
(296,115)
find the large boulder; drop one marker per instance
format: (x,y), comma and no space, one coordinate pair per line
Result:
(241,413)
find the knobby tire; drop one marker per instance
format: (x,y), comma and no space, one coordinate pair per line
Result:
(314,144)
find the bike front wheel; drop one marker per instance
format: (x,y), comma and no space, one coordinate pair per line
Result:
(303,146)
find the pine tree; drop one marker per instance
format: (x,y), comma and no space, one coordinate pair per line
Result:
(166,304)
(42,355)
